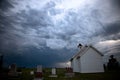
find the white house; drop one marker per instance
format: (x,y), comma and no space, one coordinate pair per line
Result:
(87,60)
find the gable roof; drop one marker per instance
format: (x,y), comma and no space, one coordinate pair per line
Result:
(83,51)
(96,50)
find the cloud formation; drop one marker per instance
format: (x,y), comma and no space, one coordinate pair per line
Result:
(52,25)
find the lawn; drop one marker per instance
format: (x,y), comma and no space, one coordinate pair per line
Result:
(61,75)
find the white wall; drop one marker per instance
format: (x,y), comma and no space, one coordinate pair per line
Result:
(72,65)
(75,65)
(91,62)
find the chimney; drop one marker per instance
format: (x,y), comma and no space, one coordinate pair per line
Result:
(79,45)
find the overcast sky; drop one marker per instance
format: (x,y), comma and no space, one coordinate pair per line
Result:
(47,32)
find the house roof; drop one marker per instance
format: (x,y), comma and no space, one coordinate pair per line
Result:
(83,50)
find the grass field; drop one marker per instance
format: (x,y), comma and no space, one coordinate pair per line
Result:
(61,75)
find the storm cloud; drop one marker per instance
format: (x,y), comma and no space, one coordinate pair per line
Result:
(48,31)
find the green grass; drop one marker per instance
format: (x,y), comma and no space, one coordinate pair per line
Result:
(61,75)
(26,74)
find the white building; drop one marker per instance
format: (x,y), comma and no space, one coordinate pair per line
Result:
(87,60)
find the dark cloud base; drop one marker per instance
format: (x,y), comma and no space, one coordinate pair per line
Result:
(33,57)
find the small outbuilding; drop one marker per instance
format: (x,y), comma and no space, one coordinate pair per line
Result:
(87,60)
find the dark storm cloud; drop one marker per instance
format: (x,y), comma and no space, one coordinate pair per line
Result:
(112,30)
(5,5)
(18,27)
(32,20)
(38,29)
(116,3)
(109,47)
(34,56)
(36,24)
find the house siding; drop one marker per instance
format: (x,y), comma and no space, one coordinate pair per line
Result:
(75,65)
(91,62)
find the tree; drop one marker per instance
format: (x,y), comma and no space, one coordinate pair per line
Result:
(113,63)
